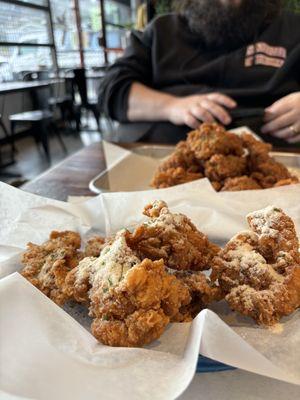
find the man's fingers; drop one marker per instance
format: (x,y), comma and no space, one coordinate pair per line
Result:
(217,111)
(191,121)
(280,107)
(222,99)
(202,114)
(282,121)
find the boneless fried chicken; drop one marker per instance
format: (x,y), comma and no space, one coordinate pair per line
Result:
(94,246)
(240,183)
(230,162)
(220,167)
(180,167)
(131,300)
(46,266)
(202,293)
(259,270)
(211,139)
(173,238)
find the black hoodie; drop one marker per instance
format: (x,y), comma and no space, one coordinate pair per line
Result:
(169,58)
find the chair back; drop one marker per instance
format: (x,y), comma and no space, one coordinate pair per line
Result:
(80,83)
(40,98)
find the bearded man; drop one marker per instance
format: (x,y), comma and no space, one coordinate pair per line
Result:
(215,60)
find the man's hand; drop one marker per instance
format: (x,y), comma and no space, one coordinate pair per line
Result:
(192,110)
(282,119)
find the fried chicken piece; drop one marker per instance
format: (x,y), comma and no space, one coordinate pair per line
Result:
(258,151)
(220,167)
(94,246)
(180,167)
(276,233)
(174,176)
(141,305)
(265,169)
(240,183)
(131,300)
(288,181)
(211,139)
(259,270)
(182,157)
(269,172)
(80,280)
(212,152)
(47,265)
(216,185)
(173,238)
(202,293)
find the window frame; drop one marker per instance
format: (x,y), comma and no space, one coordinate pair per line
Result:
(51,45)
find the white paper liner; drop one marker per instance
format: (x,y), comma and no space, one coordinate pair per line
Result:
(46,354)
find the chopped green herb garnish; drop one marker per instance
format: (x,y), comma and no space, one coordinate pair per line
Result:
(110,281)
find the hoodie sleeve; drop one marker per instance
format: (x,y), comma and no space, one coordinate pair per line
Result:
(135,65)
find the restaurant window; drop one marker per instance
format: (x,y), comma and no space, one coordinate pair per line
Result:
(91,27)
(65,33)
(25,38)
(118,24)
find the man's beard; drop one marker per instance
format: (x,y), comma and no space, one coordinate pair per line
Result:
(228,26)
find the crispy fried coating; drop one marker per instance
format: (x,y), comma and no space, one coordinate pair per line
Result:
(182,157)
(220,167)
(174,176)
(211,139)
(202,293)
(138,309)
(240,183)
(94,246)
(180,167)
(173,238)
(47,265)
(131,300)
(259,270)
(264,169)
(230,162)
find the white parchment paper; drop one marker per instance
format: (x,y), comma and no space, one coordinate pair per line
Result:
(46,353)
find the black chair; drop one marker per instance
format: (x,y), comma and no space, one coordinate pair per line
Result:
(41,119)
(6,140)
(80,84)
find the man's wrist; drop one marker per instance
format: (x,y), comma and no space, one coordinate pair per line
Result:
(166,107)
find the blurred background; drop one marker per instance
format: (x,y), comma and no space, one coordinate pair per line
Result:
(53,56)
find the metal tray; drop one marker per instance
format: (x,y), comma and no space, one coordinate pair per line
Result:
(101,183)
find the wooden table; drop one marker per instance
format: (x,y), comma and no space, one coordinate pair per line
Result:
(72,176)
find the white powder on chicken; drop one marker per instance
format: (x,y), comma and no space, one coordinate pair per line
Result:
(111,266)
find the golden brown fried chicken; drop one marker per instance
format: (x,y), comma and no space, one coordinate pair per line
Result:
(173,238)
(230,162)
(211,139)
(182,157)
(94,246)
(180,167)
(140,306)
(174,176)
(240,183)
(131,300)
(202,293)
(259,270)
(220,167)
(47,265)
(263,168)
